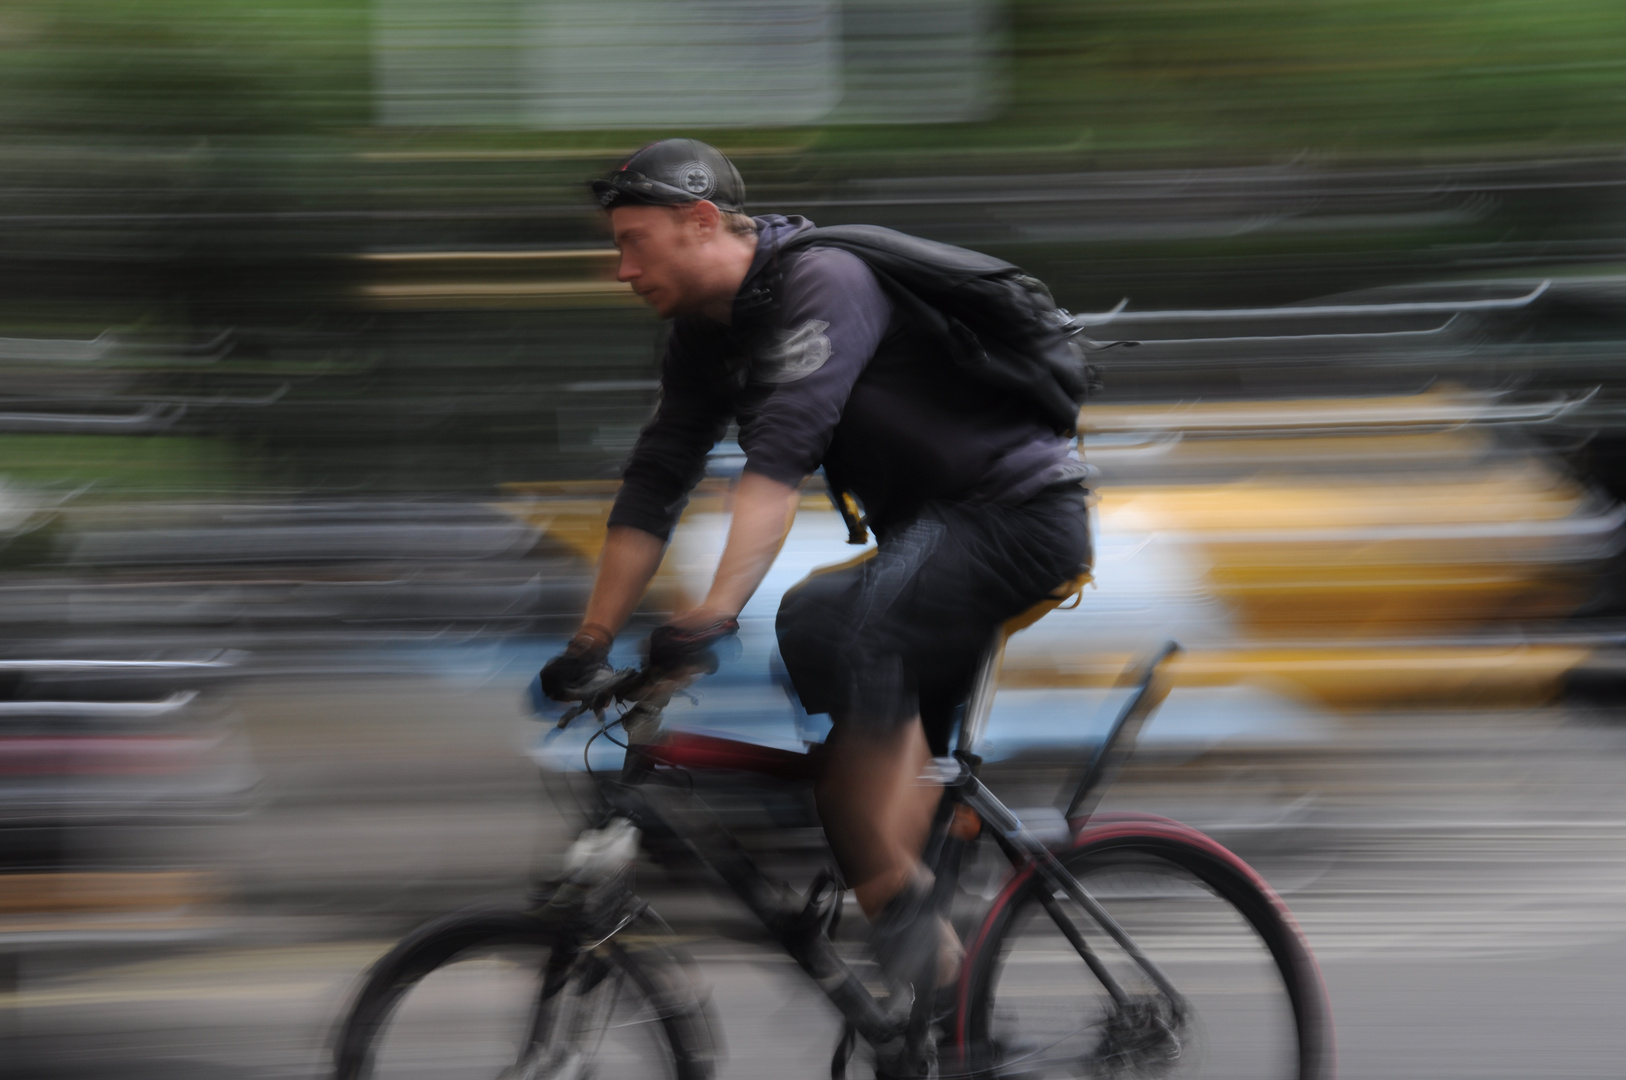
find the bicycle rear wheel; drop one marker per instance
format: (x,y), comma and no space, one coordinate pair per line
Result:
(1254,1005)
(463,997)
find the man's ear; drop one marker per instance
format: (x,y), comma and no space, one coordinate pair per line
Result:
(706,217)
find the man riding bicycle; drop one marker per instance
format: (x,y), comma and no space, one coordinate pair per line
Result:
(974,502)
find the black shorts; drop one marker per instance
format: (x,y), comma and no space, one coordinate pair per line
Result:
(874,641)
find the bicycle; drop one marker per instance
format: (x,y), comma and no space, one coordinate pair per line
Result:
(1136,947)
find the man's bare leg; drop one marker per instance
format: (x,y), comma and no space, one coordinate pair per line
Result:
(877,813)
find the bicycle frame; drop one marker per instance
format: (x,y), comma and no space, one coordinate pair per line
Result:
(802,924)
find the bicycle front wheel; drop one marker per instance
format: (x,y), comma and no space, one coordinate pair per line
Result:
(487,995)
(1250,998)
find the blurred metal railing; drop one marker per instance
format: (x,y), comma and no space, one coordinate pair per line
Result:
(1420,411)
(1313,311)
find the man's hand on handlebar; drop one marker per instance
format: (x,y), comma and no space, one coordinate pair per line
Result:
(581,669)
(683,646)
(676,652)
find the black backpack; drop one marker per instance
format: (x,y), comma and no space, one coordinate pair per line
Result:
(998,323)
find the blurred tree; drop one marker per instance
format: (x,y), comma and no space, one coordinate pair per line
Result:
(182,68)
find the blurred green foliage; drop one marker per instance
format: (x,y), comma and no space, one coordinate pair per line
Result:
(1190,78)
(1239,77)
(126,465)
(182,67)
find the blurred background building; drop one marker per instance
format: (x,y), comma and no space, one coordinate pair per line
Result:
(317,381)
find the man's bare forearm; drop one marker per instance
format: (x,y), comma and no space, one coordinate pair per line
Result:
(763,512)
(626,565)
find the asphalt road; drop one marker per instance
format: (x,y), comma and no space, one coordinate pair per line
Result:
(1461,876)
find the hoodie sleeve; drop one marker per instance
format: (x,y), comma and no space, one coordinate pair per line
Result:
(833,317)
(670,456)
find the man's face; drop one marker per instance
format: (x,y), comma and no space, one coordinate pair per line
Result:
(659,256)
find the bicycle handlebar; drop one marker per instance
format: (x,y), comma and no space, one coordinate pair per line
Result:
(629,684)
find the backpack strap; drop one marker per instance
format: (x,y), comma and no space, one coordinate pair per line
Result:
(851,516)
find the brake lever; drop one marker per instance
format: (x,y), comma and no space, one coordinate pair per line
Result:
(599,695)
(595,706)
(569,714)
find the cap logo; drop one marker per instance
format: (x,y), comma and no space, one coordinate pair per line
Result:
(695,177)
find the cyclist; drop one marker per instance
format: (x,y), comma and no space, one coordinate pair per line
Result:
(975,504)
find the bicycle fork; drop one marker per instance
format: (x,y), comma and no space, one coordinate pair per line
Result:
(560,1019)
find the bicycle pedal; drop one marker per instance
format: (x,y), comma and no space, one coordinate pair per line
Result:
(906,1060)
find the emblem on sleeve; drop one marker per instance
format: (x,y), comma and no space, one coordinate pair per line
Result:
(797,354)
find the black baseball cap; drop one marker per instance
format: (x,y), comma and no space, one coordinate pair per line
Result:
(672,172)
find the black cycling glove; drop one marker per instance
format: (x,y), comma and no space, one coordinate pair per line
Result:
(684,649)
(572,671)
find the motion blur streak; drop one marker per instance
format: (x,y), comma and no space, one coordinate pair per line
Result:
(315,381)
